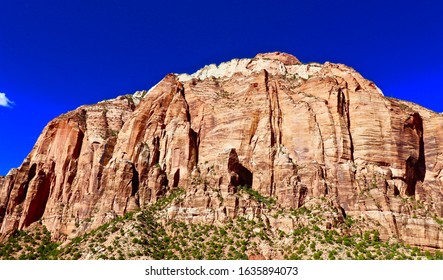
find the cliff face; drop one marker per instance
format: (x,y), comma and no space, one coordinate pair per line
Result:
(59,182)
(288,130)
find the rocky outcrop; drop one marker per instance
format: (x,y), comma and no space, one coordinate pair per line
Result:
(59,182)
(287,130)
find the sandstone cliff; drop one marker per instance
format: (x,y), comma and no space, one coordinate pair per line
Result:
(288,130)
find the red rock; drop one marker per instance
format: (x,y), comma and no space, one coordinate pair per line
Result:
(288,130)
(256,257)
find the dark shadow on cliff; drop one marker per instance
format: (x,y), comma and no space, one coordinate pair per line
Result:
(244,176)
(415,168)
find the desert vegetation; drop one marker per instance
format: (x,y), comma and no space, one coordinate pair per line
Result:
(148,235)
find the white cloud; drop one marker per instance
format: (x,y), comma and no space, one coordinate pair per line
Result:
(4,101)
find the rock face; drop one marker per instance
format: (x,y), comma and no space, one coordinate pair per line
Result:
(288,130)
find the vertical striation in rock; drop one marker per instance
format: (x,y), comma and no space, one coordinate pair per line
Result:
(286,130)
(59,182)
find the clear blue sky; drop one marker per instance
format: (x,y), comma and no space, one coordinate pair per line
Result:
(56,56)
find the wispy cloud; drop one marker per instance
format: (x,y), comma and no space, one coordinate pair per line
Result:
(4,101)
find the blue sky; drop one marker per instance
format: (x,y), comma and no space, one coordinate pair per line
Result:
(56,56)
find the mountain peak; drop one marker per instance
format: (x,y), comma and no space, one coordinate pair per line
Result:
(285,58)
(273,62)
